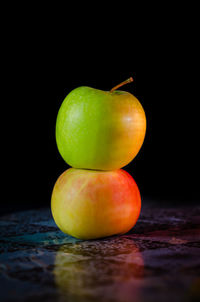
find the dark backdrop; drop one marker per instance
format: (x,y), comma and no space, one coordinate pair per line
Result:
(167,167)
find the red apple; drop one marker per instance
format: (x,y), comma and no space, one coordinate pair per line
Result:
(91,204)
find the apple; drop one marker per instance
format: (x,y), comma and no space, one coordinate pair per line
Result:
(90,204)
(100,130)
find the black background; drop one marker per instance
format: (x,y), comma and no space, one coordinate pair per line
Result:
(166,168)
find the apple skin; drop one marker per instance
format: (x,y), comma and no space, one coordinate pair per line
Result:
(100,130)
(89,204)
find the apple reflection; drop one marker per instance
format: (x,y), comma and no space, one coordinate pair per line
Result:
(104,270)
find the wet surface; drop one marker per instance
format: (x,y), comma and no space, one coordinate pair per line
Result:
(159,260)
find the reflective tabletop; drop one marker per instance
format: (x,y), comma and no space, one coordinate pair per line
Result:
(158,260)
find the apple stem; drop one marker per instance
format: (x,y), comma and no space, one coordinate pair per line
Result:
(122,84)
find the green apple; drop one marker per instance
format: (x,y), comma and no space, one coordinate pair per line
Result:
(100,130)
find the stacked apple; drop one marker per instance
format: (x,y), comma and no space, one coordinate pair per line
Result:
(97,133)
